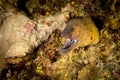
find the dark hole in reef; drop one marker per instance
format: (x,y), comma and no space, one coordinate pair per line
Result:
(42,2)
(53,60)
(117,6)
(98,23)
(105,5)
(10,67)
(86,47)
(3,74)
(38,10)
(91,38)
(21,5)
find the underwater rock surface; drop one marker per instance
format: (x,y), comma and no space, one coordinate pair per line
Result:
(20,35)
(92,62)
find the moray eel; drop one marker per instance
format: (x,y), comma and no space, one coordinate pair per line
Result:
(79,32)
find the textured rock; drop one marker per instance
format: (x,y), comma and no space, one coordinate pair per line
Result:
(20,35)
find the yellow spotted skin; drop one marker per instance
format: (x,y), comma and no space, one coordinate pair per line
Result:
(83,30)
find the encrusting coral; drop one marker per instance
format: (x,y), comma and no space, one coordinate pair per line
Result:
(20,35)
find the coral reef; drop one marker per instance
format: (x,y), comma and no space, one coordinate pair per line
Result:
(42,31)
(20,38)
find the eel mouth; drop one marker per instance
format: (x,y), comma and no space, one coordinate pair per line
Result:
(68,45)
